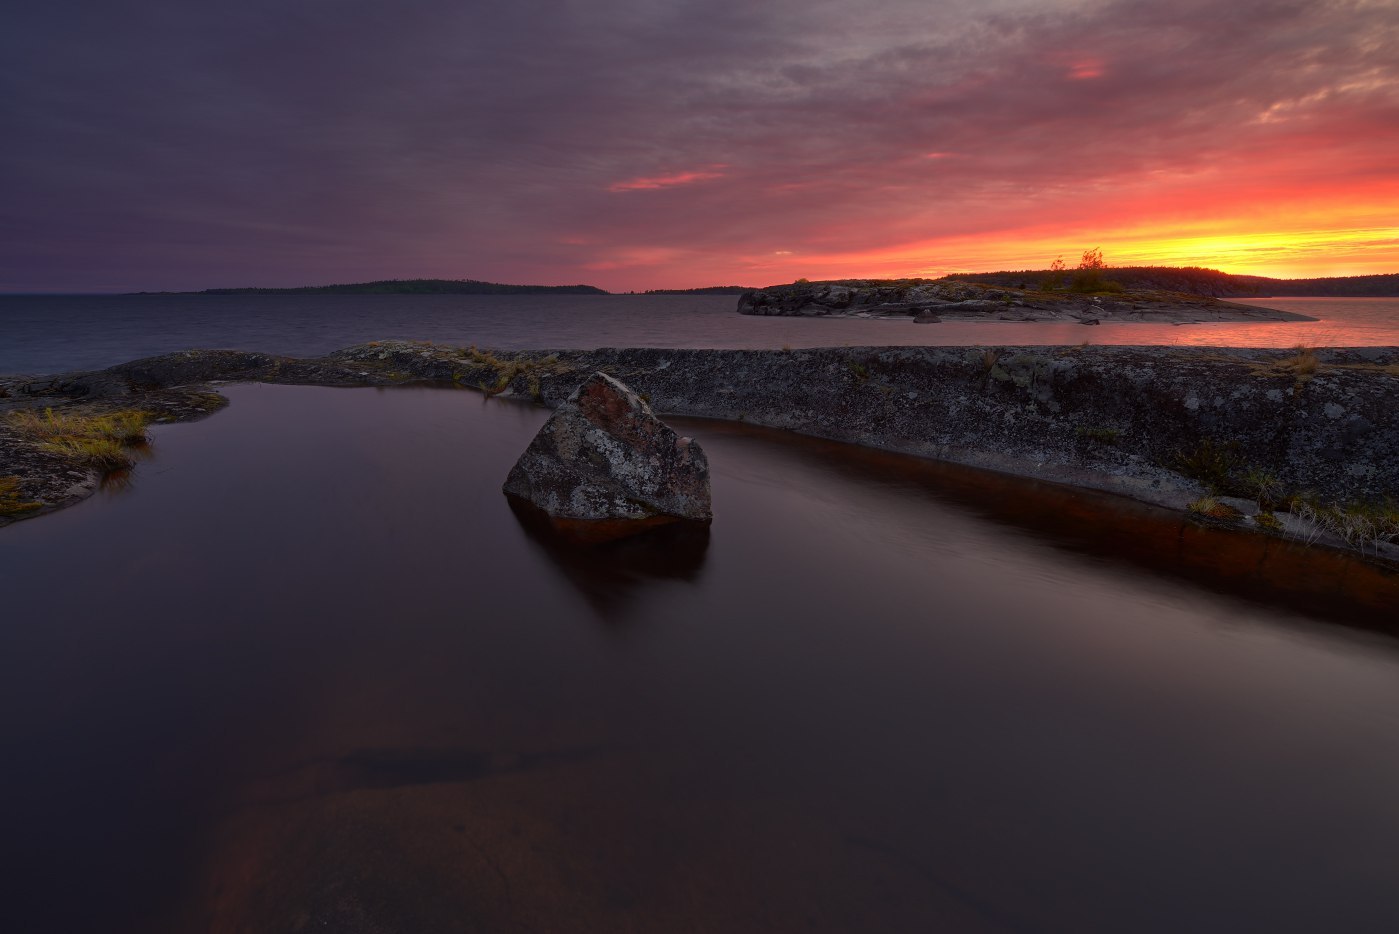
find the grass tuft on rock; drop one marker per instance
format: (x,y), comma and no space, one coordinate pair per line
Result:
(1301,366)
(1359,525)
(506,371)
(11,503)
(1212,508)
(98,442)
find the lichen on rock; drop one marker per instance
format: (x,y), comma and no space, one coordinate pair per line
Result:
(604,456)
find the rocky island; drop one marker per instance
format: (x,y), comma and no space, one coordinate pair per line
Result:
(1298,443)
(931,301)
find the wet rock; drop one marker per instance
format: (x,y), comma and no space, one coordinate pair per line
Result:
(604,457)
(926,317)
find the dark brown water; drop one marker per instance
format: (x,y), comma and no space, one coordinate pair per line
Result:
(57,333)
(309,672)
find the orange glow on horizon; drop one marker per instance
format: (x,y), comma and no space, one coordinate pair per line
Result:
(1265,207)
(1313,235)
(1296,255)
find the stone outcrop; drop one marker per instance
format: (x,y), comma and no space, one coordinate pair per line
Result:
(953,300)
(603,456)
(1160,424)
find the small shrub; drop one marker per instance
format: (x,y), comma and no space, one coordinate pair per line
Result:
(859,371)
(1209,464)
(1264,488)
(1266,520)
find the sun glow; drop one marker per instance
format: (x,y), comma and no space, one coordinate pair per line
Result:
(1291,254)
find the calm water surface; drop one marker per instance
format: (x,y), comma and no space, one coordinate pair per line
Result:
(308,671)
(50,334)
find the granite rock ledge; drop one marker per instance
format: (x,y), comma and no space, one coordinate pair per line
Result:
(1167,425)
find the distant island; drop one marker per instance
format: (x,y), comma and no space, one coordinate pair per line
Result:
(705,290)
(1090,299)
(1093,293)
(1198,281)
(1187,280)
(416,287)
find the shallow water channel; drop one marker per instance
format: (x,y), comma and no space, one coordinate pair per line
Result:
(308,671)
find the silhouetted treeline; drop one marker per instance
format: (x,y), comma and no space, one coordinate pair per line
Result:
(417,287)
(706,290)
(1198,281)
(1386,284)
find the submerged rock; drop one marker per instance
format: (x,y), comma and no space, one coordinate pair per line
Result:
(604,457)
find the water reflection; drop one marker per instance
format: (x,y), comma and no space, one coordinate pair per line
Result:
(609,571)
(313,673)
(1323,584)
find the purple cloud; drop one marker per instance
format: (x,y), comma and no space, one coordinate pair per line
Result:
(157,144)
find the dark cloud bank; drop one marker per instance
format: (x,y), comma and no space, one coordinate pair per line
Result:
(153,144)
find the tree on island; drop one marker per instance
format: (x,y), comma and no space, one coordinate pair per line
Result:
(1088,277)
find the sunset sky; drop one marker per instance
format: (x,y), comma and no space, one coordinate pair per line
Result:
(633,144)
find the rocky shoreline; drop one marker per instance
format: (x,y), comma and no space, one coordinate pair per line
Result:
(931,302)
(1271,440)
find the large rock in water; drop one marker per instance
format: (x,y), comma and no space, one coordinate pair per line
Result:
(604,457)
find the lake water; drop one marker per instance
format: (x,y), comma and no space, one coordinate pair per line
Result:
(308,671)
(50,334)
